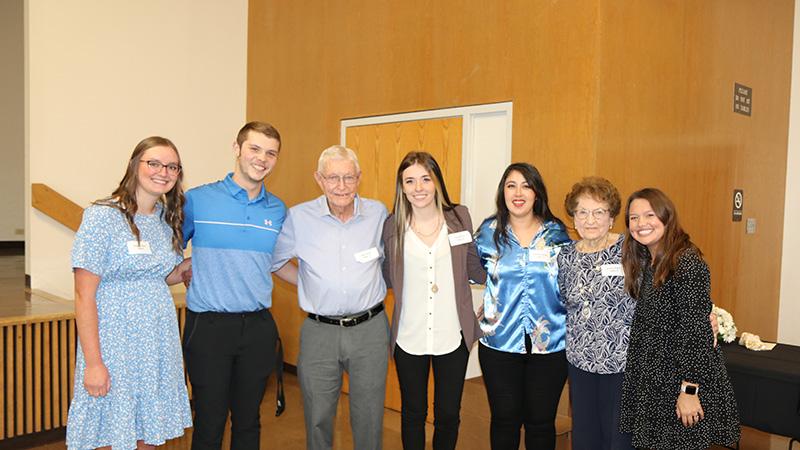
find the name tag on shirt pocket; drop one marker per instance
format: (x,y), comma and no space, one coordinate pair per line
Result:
(367,255)
(462,237)
(139,248)
(539,255)
(612,270)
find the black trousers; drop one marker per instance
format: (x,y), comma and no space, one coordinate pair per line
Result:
(229,357)
(523,389)
(595,402)
(448,385)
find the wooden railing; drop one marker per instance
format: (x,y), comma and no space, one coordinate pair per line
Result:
(56,206)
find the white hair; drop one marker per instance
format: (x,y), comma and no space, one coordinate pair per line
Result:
(337,152)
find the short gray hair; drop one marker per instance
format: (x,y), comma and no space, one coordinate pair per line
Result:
(336,152)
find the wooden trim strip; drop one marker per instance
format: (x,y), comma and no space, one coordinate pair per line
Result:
(19,381)
(37,377)
(28,378)
(56,206)
(3,398)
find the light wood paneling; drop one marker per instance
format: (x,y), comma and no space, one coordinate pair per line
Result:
(639,92)
(667,121)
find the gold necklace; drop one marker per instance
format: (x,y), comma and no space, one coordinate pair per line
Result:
(435,228)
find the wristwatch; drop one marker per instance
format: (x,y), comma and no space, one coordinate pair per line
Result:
(690,389)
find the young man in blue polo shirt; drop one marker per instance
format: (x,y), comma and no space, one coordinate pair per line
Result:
(230,336)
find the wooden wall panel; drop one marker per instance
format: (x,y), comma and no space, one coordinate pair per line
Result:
(37,370)
(640,92)
(667,121)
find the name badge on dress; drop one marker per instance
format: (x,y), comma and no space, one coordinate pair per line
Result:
(139,248)
(462,237)
(539,255)
(612,270)
(367,255)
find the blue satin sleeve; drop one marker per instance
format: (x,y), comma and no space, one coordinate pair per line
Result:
(522,295)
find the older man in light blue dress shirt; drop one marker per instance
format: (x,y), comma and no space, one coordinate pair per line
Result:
(336,239)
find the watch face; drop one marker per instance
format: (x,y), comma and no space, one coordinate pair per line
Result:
(691,390)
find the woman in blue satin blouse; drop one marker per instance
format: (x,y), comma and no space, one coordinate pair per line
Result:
(522,355)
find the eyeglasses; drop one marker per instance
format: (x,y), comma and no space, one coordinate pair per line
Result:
(334,180)
(156,166)
(599,213)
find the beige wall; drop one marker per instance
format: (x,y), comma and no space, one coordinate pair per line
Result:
(101,76)
(12,102)
(788,331)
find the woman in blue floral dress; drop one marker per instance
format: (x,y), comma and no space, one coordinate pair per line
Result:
(129,382)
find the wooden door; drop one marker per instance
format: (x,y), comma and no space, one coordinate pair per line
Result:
(380,149)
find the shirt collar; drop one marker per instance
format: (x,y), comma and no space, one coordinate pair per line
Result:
(237,191)
(325,210)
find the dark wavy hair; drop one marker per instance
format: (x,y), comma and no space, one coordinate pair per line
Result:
(541,207)
(402,207)
(124,196)
(674,242)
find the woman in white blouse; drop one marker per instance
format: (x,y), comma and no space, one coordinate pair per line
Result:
(429,260)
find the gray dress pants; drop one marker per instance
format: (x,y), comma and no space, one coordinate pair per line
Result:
(326,351)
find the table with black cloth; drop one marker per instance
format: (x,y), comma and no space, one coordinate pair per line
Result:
(767,387)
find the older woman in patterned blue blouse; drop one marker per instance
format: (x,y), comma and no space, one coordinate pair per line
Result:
(599,315)
(522,354)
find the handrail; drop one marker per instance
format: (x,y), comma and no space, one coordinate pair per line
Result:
(56,206)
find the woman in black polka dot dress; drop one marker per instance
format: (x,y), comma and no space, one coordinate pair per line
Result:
(676,393)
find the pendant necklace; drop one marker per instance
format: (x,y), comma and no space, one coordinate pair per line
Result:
(434,286)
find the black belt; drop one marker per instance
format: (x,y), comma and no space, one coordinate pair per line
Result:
(348,321)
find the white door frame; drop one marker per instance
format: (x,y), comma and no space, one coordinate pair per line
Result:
(487,125)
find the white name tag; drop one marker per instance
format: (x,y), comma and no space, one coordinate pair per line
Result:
(139,248)
(612,270)
(367,255)
(462,237)
(539,255)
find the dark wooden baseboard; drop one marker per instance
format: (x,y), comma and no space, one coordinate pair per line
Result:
(34,439)
(8,248)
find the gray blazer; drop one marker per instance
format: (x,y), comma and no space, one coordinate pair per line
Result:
(466,266)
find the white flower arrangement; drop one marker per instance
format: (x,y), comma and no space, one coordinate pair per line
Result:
(727,329)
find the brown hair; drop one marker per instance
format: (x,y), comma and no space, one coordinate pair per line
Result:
(258,127)
(674,242)
(402,207)
(599,189)
(124,196)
